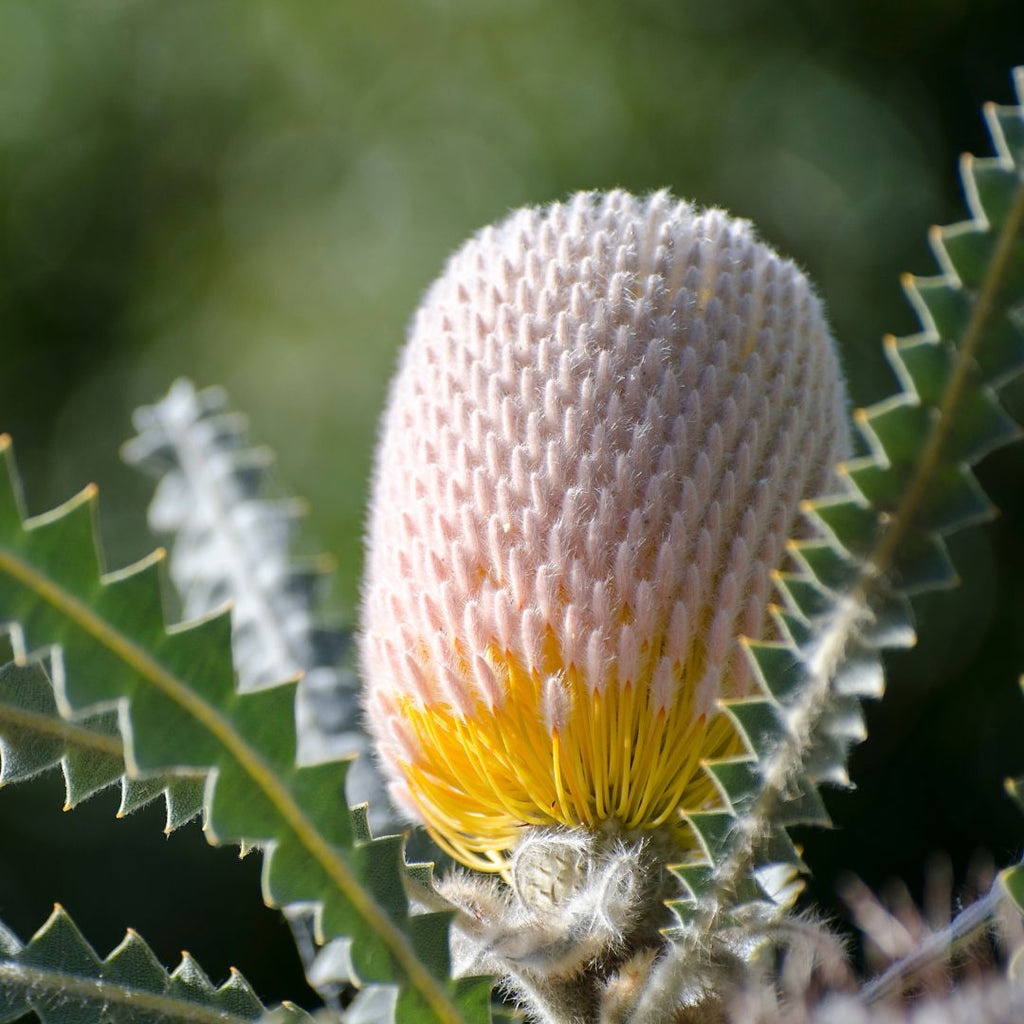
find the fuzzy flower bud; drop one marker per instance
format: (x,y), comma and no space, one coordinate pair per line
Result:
(604,421)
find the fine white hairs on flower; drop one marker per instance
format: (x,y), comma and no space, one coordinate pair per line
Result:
(574,898)
(602,427)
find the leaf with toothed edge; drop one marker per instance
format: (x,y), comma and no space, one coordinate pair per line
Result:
(852,526)
(869,548)
(59,977)
(737,779)
(777,667)
(804,595)
(233,537)
(179,711)
(760,722)
(828,567)
(35,737)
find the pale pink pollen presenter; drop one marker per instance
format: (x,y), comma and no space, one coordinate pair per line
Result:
(604,421)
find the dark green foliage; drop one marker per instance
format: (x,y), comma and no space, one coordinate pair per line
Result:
(35,737)
(179,711)
(59,977)
(875,545)
(234,539)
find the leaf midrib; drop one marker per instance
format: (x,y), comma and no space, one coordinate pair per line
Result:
(60,728)
(128,651)
(99,990)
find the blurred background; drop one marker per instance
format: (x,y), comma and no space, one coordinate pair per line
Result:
(256,193)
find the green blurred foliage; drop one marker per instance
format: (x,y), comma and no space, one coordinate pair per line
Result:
(255,193)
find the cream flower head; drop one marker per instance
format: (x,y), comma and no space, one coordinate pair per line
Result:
(605,418)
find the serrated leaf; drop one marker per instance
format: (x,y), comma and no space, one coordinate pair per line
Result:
(232,539)
(712,829)
(825,564)
(803,595)
(854,526)
(899,502)
(737,779)
(178,708)
(59,977)
(777,667)
(761,722)
(35,737)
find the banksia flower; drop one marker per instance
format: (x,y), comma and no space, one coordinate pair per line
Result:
(604,421)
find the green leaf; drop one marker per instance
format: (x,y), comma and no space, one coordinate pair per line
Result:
(761,723)
(234,538)
(826,564)
(712,829)
(737,779)
(35,737)
(59,977)
(854,526)
(877,542)
(174,692)
(777,667)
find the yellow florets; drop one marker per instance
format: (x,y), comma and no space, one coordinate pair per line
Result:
(480,778)
(605,419)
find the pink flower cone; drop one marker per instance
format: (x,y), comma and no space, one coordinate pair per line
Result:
(604,421)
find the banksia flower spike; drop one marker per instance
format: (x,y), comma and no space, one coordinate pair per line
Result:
(604,421)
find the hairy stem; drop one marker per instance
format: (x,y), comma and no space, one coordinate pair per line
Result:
(937,947)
